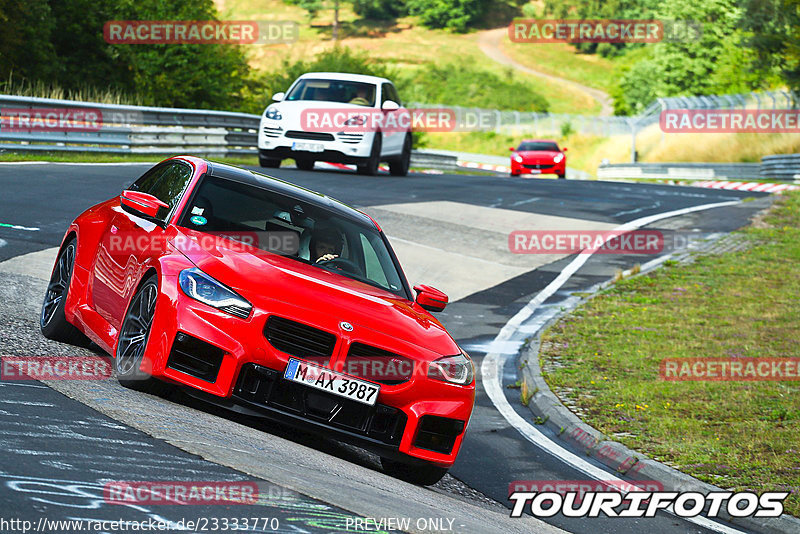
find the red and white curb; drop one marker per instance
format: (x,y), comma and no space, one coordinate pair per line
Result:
(483,166)
(384,168)
(464,164)
(743,186)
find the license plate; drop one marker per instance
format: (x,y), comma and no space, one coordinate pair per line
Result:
(308,147)
(536,171)
(324,379)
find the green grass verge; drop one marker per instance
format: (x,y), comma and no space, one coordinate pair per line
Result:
(742,435)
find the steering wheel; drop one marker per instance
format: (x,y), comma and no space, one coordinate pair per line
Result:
(342,264)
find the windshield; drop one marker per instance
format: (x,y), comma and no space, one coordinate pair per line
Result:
(294,229)
(346,92)
(531,146)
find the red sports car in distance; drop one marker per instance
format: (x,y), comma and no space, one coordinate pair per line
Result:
(537,156)
(270,300)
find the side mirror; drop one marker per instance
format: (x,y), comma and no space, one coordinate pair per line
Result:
(141,204)
(277,97)
(511,148)
(390,105)
(430,298)
(564,149)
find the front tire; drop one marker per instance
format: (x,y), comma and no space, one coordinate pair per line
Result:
(133,336)
(562,176)
(52,321)
(420,474)
(270,163)
(399,167)
(305,164)
(370,166)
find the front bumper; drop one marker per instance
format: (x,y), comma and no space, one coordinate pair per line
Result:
(243,371)
(538,168)
(275,140)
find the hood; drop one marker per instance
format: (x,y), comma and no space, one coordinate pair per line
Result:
(316,296)
(546,155)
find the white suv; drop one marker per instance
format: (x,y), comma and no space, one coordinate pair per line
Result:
(339,118)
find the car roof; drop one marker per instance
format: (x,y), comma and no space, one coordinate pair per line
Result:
(345,76)
(239,174)
(538,141)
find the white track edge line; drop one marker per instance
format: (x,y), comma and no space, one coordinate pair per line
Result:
(493,364)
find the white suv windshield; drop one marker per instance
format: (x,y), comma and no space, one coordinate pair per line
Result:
(346,92)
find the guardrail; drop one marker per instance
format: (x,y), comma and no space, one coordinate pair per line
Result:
(160,131)
(431,159)
(778,167)
(781,167)
(132,129)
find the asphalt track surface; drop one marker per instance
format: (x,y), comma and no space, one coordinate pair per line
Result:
(53,440)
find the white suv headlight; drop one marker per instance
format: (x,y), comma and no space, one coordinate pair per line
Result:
(356,120)
(455,369)
(273,114)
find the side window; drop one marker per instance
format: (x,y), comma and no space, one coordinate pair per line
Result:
(394,95)
(372,264)
(146,181)
(165,182)
(385,93)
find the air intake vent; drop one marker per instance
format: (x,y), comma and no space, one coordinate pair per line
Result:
(314,136)
(272,131)
(195,357)
(351,138)
(438,434)
(299,339)
(377,365)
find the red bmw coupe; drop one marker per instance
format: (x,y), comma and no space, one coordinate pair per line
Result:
(268,299)
(536,156)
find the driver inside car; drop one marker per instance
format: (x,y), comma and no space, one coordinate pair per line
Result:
(361,96)
(326,244)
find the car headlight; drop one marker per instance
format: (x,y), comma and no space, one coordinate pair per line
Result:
(356,120)
(200,286)
(455,369)
(558,157)
(517,158)
(273,113)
